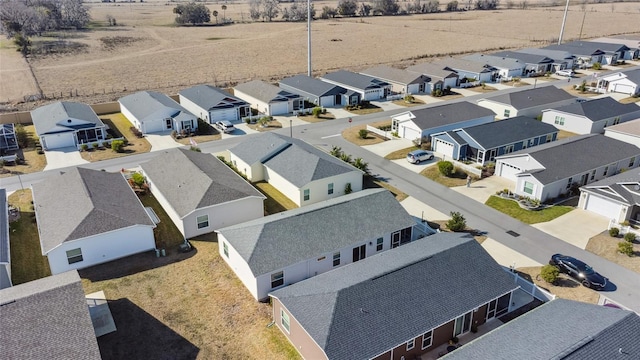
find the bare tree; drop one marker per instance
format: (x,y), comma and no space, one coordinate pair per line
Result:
(270,9)
(254,9)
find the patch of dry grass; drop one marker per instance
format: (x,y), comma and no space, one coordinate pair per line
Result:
(483,89)
(630,100)
(199,139)
(370,182)
(566,287)
(352,134)
(458,178)
(562,134)
(322,117)
(442,225)
(415,102)
(365,109)
(606,247)
(271,125)
(401,154)
(276,201)
(121,126)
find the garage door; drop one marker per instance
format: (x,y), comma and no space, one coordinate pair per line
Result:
(444,148)
(409,133)
(56,141)
(279,108)
(623,88)
(226,114)
(507,171)
(603,207)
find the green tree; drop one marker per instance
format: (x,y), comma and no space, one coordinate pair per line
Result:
(347,7)
(549,273)
(23,43)
(192,13)
(336,151)
(360,164)
(445,168)
(22,136)
(457,222)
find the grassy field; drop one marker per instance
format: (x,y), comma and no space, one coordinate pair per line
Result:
(514,210)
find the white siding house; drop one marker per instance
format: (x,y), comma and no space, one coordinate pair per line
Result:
(268,99)
(628,132)
(529,103)
(151,111)
(590,117)
(368,87)
(67,124)
(614,197)
(212,104)
(402,81)
(625,83)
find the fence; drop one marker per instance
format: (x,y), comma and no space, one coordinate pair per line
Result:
(395,97)
(467,168)
(623,228)
(531,288)
(382,133)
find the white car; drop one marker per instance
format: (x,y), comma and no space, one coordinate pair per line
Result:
(416,156)
(225,126)
(565,72)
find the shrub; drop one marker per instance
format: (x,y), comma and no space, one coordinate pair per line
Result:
(457,222)
(549,273)
(347,189)
(445,167)
(409,98)
(138,179)
(597,66)
(363,133)
(629,237)
(174,134)
(625,248)
(84,147)
(136,132)
(316,111)
(247,121)
(195,148)
(117,146)
(94,145)
(614,232)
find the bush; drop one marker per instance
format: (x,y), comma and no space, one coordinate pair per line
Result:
(614,232)
(625,248)
(347,189)
(195,148)
(363,133)
(549,273)
(316,111)
(247,121)
(629,237)
(138,179)
(457,222)
(597,66)
(445,167)
(409,98)
(94,145)
(84,147)
(136,132)
(117,146)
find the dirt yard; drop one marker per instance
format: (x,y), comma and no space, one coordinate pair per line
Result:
(565,288)
(606,246)
(145,50)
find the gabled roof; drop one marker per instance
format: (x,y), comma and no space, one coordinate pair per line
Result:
(456,64)
(209,97)
(496,61)
(406,291)
(631,41)
(312,86)
(432,70)
(389,73)
(53,118)
(628,127)
(526,58)
(588,47)
(634,76)
(507,131)
(84,202)
(449,114)
(145,103)
(191,180)
(532,97)
(598,109)
(589,332)
(587,152)
(623,187)
(265,92)
(355,80)
(295,160)
(556,55)
(277,241)
(47,319)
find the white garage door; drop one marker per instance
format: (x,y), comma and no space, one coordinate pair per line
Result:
(279,108)
(56,141)
(507,171)
(444,148)
(409,133)
(226,114)
(623,88)
(603,207)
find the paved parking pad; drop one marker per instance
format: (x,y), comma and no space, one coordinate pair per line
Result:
(575,227)
(63,157)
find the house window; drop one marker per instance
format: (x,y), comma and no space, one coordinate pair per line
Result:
(411,344)
(559,120)
(593,175)
(277,279)
(631,161)
(336,259)
(427,339)
(616,121)
(203,221)
(507,112)
(569,182)
(284,320)
(169,123)
(606,169)
(225,249)
(528,187)
(330,189)
(74,256)
(508,149)
(379,244)
(306,195)
(549,138)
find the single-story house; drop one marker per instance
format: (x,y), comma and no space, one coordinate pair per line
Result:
(592,51)
(319,92)
(47,318)
(632,42)
(8,140)
(621,82)
(300,171)
(628,132)
(397,304)
(151,111)
(284,248)
(588,331)
(268,99)
(402,81)
(507,68)
(535,64)
(368,87)
(561,59)
(419,125)
(67,124)
(440,79)
(5,250)
(529,102)
(482,143)
(591,116)
(212,104)
(547,171)
(87,217)
(468,71)
(199,192)
(615,197)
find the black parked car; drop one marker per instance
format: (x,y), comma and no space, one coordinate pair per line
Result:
(579,271)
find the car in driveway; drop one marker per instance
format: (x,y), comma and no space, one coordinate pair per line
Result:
(417,156)
(225,126)
(579,271)
(565,72)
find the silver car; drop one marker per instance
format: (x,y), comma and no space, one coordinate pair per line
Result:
(225,126)
(416,156)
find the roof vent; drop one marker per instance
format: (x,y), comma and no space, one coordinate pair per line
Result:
(636,187)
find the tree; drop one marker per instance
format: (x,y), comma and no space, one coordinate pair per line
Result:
(457,222)
(452,6)
(74,14)
(21,136)
(328,12)
(365,10)
(224,12)
(255,9)
(23,43)
(549,273)
(385,7)
(487,4)
(431,6)
(347,7)
(215,15)
(270,9)
(298,12)
(192,13)
(362,165)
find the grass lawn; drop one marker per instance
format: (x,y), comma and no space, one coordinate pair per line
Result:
(400,154)
(352,135)
(370,182)
(415,102)
(27,262)
(459,178)
(511,208)
(483,89)
(562,134)
(365,109)
(119,124)
(166,233)
(276,201)
(630,100)
(606,247)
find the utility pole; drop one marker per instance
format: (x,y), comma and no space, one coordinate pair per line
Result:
(564,20)
(309,37)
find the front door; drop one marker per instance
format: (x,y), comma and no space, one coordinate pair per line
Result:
(421,88)
(359,253)
(583,179)
(395,239)
(169,123)
(463,324)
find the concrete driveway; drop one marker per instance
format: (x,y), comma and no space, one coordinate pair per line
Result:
(481,190)
(417,168)
(389,146)
(161,141)
(387,105)
(575,227)
(63,157)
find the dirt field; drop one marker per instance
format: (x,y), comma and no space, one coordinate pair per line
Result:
(16,81)
(154,54)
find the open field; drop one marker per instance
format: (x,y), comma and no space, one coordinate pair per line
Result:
(151,53)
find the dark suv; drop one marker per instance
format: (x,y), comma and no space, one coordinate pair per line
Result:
(579,271)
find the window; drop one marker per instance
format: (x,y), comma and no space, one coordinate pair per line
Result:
(411,344)
(427,339)
(306,194)
(225,249)
(549,138)
(74,256)
(559,120)
(528,187)
(616,120)
(277,279)
(508,149)
(507,112)
(203,221)
(169,123)
(606,169)
(336,259)
(284,320)
(330,189)
(379,244)
(593,175)
(569,182)
(631,161)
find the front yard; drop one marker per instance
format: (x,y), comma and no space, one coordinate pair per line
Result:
(352,134)
(363,109)
(514,210)
(120,127)
(606,247)
(458,178)
(565,287)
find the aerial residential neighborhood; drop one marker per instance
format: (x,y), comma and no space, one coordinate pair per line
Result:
(473,205)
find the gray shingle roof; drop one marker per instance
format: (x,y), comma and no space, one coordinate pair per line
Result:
(276,241)
(432,70)
(556,55)
(526,58)
(496,61)
(4,228)
(464,65)
(449,114)
(389,73)
(599,109)
(620,187)
(294,159)
(355,80)
(312,86)
(265,92)
(209,97)
(560,329)
(587,47)
(508,131)
(406,291)
(190,180)
(84,202)
(47,319)
(533,97)
(52,118)
(633,75)
(145,103)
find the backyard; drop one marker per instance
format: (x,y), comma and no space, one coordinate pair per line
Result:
(33,162)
